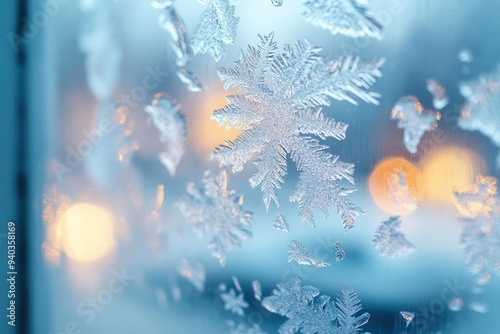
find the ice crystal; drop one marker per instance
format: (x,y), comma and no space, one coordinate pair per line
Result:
(456,304)
(257,290)
(244,328)
(236,283)
(189,80)
(346,17)
(299,253)
(479,306)
(414,120)
(164,112)
(408,316)
(175,26)
(399,191)
(234,302)
(439,96)
(466,56)
(279,112)
(480,228)
(339,251)
(194,272)
(390,242)
(481,110)
(100,43)
(280,223)
(310,313)
(217,212)
(215,29)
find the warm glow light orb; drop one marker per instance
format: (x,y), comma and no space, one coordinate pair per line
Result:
(206,134)
(87,232)
(379,184)
(449,169)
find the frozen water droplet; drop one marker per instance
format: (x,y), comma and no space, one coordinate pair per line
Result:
(456,304)
(478,306)
(257,290)
(339,251)
(483,278)
(439,96)
(277,3)
(236,283)
(194,272)
(408,316)
(465,55)
(189,80)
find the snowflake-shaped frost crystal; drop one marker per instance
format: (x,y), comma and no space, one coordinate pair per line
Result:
(234,302)
(215,29)
(279,112)
(414,120)
(311,313)
(481,229)
(280,223)
(172,127)
(299,253)
(481,112)
(217,212)
(390,242)
(346,17)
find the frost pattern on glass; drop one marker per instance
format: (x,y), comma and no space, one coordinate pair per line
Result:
(194,272)
(100,43)
(309,312)
(408,316)
(216,28)
(189,80)
(390,242)
(257,290)
(399,191)
(279,112)
(439,96)
(244,328)
(217,212)
(171,125)
(414,121)
(339,251)
(346,17)
(234,300)
(280,223)
(176,28)
(480,228)
(299,253)
(481,110)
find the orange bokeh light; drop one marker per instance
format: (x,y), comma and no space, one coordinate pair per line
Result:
(449,169)
(380,187)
